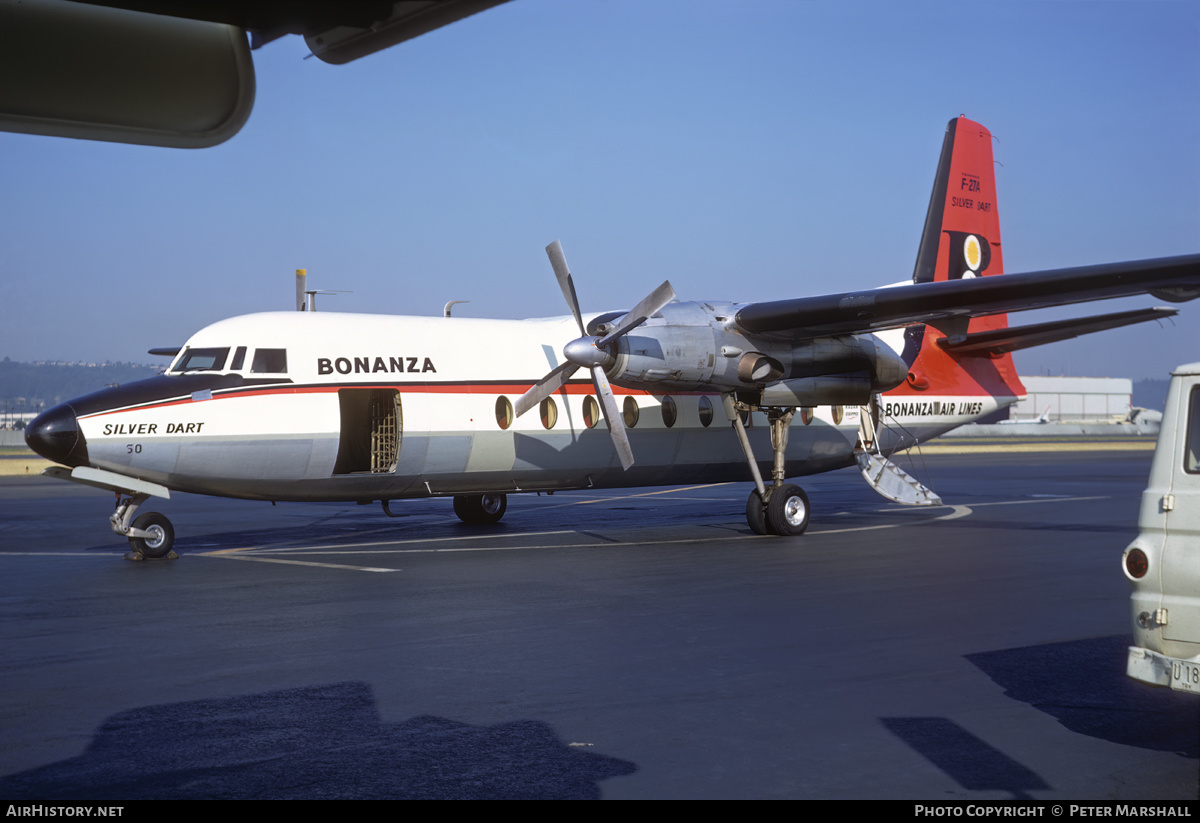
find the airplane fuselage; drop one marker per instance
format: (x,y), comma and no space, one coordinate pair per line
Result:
(329,406)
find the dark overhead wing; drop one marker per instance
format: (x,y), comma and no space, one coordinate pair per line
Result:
(176,73)
(96,73)
(1169,278)
(337,31)
(999,341)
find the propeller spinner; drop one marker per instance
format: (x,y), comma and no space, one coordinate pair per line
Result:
(592,353)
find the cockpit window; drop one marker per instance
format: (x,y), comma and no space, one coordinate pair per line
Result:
(239,359)
(270,361)
(201,360)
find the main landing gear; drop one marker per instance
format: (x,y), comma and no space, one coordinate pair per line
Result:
(480,509)
(785,511)
(151,535)
(781,508)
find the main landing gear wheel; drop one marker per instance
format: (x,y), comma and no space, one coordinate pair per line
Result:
(787,510)
(756,513)
(160,537)
(480,509)
(785,513)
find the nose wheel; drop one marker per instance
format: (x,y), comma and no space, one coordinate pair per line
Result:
(159,536)
(151,535)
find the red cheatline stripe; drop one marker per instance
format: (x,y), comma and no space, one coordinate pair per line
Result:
(514,389)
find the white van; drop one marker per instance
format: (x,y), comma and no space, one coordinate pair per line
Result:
(1163,563)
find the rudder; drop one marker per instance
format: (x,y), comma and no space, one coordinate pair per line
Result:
(961,240)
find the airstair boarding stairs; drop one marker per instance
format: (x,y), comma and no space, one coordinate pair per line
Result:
(882,474)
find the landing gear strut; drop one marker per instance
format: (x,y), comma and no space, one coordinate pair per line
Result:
(151,535)
(781,508)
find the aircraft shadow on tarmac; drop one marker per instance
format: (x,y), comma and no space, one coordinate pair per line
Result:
(321,742)
(1080,683)
(969,761)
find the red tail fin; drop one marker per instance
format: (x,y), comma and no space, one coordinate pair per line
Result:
(961,240)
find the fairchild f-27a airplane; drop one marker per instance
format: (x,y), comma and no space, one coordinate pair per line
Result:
(321,406)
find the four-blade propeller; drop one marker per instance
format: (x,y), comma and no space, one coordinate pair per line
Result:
(591,352)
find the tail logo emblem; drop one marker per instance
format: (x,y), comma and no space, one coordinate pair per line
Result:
(969,255)
(972,255)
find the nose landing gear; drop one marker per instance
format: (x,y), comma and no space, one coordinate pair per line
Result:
(151,535)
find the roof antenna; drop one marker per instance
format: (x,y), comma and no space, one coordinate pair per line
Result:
(306,299)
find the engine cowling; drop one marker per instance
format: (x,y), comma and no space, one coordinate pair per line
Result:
(689,347)
(673,353)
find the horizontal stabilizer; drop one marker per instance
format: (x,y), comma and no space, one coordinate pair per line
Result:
(999,341)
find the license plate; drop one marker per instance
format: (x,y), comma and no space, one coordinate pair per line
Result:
(1185,676)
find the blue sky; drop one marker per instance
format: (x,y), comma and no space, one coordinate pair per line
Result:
(746,151)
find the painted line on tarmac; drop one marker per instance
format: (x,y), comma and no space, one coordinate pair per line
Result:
(255,554)
(307,563)
(107,554)
(266,549)
(672,490)
(258,553)
(1044,500)
(958,511)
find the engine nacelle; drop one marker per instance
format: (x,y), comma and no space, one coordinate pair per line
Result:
(830,390)
(689,347)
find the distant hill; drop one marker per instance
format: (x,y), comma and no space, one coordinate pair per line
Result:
(30,386)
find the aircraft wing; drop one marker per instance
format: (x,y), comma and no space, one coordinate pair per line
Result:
(1174,279)
(177,73)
